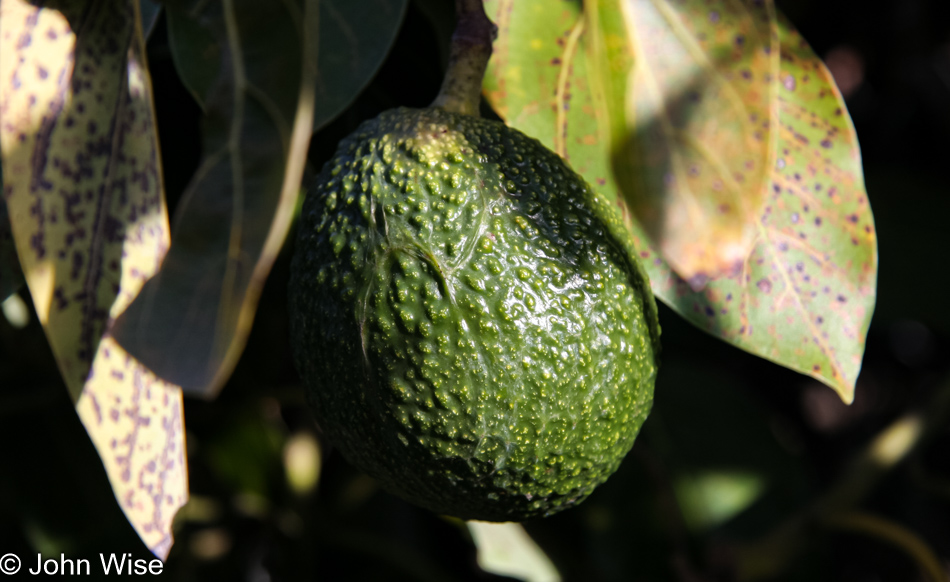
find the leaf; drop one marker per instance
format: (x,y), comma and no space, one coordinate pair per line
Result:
(804,295)
(711,498)
(136,422)
(191,321)
(195,52)
(149,12)
(82,181)
(701,110)
(354,39)
(506,549)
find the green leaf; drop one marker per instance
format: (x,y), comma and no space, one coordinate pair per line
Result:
(804,295)
(354,39)
(149,12)
(708,499)
(195,52)
(83,186)
(191,321)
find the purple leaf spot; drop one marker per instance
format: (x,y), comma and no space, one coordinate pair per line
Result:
(698,281)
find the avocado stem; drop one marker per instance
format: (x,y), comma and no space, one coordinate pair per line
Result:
(468,58)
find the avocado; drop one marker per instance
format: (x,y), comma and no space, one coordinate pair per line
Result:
(470,321)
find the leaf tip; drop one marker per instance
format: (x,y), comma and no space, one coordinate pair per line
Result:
(844,391)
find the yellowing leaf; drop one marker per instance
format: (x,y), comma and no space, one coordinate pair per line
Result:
(136,422)
(82,181)
(506,549)
(191,321)
(805,290)
(81,174)
(701,114)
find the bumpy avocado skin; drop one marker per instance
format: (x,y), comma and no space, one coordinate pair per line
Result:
(469,319)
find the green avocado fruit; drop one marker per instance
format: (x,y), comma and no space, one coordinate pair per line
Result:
(469,318)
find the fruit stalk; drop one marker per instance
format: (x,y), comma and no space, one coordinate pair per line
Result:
(468,59)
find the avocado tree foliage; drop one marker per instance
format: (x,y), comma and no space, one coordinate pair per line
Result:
(711,125)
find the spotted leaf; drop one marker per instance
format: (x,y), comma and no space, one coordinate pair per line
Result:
(701,113)
(804,292)
(136,422)
(82,182)
(191,321)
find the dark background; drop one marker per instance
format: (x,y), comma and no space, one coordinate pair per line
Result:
(716,408)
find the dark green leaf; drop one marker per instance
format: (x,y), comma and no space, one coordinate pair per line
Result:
(195,51)
(354,38)
(191,321)
(149,12)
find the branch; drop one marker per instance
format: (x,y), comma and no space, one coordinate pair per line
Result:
(471,48)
